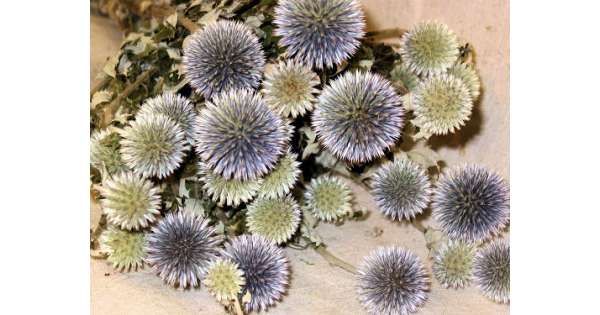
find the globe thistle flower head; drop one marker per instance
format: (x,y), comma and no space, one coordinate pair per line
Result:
(491,271)
(130,201)
(358,116)
(471,203)
(282,178)
(405,76)
(125,249)
(153,145)
(176,107)
(230,192)
(392,281)
(328,198)
(275,219)
(452,264)
(290,89)
(224,279)
(442,104)
(401,189)
(223,55)
(429,48)
(104,152)
(319,33)
(180,248)
(239,136)
(467,74)
(265,268)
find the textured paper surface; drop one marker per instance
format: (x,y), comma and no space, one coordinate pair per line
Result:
(316,287)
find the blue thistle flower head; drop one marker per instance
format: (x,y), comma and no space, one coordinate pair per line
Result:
(358,116)
(319,33)
(239,136)
(223,55)
(491,271)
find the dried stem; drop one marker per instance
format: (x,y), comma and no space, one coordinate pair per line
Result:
(186,22)
(238,306)
(386,33)
(419,225)
(334,260)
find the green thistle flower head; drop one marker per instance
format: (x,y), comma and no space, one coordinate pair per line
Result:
(282,178)
(452,264)
(224,279)
(469,76)
(328,198)
(104,152)
(290,89)
(429,48)
(125,249)
(442,104)
(230,192)
(274,219)
(401,74)
(130,201)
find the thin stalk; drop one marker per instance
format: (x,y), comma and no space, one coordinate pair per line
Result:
(334,260)
(238,306)
(419,226)
(385,33)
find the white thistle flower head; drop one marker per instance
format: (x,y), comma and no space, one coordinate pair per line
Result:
(282,178)
(401,189)
(319,33)
(275,219)
(153,145)
(224,279)
(468,75)
(442,104)
(130,201)
(452,264)
(125,249)
(491,271)
(104,152)
(358,116)
(429,48)
(223,55)
(231,192)
(174,106)
(290,88)
(328,198)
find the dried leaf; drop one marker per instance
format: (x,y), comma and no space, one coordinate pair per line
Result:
(101,97)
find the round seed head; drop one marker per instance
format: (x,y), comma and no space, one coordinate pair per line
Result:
(328,198)
(221,56)
(403,75)
(467,74)
(491,271)
(129,201)
(230,192)
(452,264)
(239,136)
(401,189)
(104,152)
(282,178)
(125,249)
(392,281)
(180,248)
(153,145)
(319,33)
(290,89)
(176,107)
(442,104)
(358,116)
(224,279)
(275,219)
(471,203)
(429,48)
(265,268)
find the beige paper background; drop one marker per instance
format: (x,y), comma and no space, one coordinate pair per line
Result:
(316,287)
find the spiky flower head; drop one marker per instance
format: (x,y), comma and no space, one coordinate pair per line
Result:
(239,136)
(392,281)
(130,201)
(452,264)
(467,74)
(153,145)
(442,104)
(221,56)
(104,152)
(224,279)
(282,178)
(176,107)
(125,249)
(404,76)
(230,192)
(358,116)
(290,88)
(471,203)
(328,198)
(319,33)
(275,219)
(401,189)
(429,48)
(180,248)
(265,268)
(491,271)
